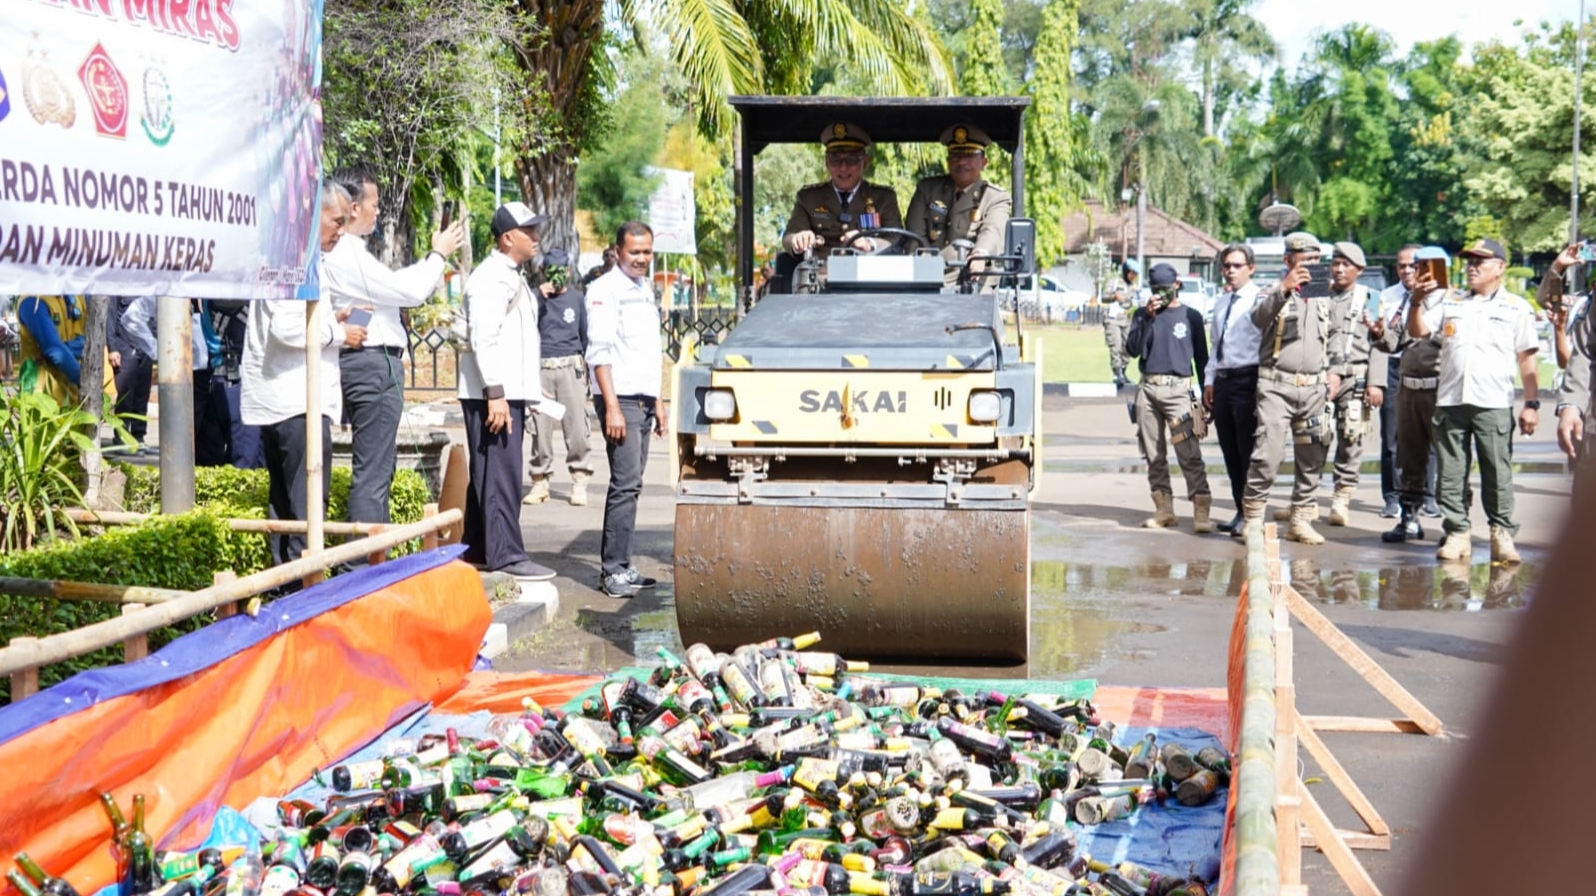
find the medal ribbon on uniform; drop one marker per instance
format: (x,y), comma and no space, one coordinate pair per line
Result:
(870,219)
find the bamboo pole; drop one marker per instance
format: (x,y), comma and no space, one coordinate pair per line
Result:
(315,501)
(266,527)
(138,646)
(23,654)
(1257,841)
(107,594)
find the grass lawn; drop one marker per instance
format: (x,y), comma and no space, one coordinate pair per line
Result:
(1072,354)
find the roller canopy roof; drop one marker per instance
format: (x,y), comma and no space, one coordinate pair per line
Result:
(800,119)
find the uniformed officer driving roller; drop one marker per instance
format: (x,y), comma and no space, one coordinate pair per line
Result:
(830,213)
(1293,370)
(960,205)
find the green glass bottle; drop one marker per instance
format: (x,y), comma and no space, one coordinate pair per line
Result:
(141,875)
(119,825)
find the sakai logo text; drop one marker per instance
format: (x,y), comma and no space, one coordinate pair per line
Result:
(864,401)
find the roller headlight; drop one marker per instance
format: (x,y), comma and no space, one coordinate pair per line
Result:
(985,407)
(720,405)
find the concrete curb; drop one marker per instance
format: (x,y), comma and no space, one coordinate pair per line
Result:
(523,617)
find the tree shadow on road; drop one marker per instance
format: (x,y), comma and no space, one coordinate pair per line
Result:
(1404,643)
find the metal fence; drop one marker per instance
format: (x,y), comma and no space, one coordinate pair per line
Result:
(432,359)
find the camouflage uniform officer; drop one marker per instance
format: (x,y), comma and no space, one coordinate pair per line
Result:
(1293,370)
(1350,305)
(828,213)
(1122,294)
(961,205)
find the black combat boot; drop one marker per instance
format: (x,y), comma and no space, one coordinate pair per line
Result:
(1406,529)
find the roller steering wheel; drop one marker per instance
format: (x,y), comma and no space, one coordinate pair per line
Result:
(897,238)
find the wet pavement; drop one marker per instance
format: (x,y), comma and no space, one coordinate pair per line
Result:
(1129,606)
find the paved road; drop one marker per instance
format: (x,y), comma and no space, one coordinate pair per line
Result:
(1134,607)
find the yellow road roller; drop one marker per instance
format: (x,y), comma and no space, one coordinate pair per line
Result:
(859,457)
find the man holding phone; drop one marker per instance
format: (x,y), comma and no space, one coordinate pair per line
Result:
(1353,308)
(1293,372)
(373,373)
(1168,339)
(1483,335)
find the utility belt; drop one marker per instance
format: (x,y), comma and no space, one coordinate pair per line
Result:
(1165,379)
(563,361)
(1421,382)
(1291,379)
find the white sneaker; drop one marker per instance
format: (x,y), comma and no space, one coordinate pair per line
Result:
(579,489)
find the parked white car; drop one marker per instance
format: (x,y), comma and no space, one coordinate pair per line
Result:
(1195,293)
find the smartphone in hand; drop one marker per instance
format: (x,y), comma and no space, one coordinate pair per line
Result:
(1436,268)
(359,317)
(1587,250)
(1318,285)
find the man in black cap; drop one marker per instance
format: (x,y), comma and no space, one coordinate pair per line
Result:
(960,205)
(1486,335)
(562,329)
(1168,337)
(831,212)
(500,375)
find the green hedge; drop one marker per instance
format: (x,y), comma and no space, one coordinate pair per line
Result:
(232,493)
(179,552)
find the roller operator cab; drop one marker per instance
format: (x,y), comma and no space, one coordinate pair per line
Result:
(860,459)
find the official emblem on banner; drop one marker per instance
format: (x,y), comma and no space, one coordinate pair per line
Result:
(46,95)
(5,98)
(157,118)
(107,91)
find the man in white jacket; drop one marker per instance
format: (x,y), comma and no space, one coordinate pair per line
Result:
(272,376)
(499,378)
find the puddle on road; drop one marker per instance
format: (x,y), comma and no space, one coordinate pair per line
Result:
(1077,625)
(1445,586)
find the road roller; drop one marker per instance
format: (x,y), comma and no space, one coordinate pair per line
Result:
(858,457)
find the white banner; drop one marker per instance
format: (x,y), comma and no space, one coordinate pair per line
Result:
(164,147)
(671,212)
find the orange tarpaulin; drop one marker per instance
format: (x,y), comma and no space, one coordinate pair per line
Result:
(256,722)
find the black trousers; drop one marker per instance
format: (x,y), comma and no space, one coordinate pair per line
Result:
(1388,436)
(492,528)
(1236,423)
(133,381)
(284,445)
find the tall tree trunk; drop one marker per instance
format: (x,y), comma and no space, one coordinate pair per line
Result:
(558,69)
(1208,97)
(549,184)
(91,391)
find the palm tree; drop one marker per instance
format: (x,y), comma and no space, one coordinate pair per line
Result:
(1147,131)
(723,48)
(1222,34)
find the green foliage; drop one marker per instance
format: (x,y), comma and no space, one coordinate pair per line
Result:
(177,552)
(1054,135)
(984,72)
(231,493)
(410,90)
(615,180)
(40,446)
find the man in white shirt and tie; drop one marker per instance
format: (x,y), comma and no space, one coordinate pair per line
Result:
(1231,393)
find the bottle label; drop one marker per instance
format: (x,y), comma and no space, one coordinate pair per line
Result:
(483,830)
(501,856)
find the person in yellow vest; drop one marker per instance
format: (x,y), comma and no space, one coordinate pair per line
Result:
(51,346)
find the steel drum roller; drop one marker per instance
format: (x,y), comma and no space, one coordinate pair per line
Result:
(874,581)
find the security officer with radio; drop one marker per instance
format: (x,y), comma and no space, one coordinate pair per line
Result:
(1293,376)
(1168,339)
(832,212)
(960,206)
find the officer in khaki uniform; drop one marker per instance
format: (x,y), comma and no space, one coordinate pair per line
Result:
(825,215)
(1120,302)
(1351,305)
(1293,371)
(1575,433)
(1168,339)
(960,205)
